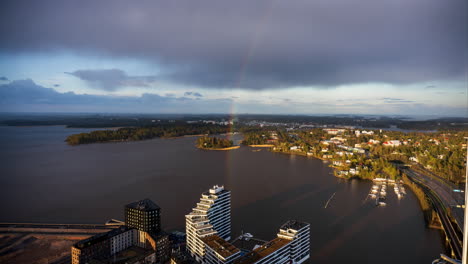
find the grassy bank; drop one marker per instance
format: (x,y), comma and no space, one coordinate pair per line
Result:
(424,202)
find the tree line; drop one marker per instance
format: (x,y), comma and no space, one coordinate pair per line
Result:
(213,142)
(142,133)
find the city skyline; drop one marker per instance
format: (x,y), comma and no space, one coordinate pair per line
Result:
(265,57)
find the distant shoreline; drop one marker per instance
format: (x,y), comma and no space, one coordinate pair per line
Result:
(262,146)
(230,148)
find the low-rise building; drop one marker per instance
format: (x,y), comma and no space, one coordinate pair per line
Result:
(364,132)
(135,242)
(334,131)
(392,143)
(338,163)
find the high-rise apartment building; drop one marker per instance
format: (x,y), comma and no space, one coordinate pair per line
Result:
(292,245)
(211,216)
(219,251)
(299,235)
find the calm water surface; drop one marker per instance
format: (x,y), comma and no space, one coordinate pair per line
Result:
(44,180)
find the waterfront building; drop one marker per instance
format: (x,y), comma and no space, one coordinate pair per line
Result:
(292,245)
(143,215)
(299,235)
(197,227)
(219,251)
(211,216)
(100,246)
(136,242)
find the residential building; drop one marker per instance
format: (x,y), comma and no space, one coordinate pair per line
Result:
(211,216)
(219,251)
(334,131)
(338,163)
(392,143)
(292,245)
(299,234)
(364,132)
(135,242)
(122,240)
(100,246)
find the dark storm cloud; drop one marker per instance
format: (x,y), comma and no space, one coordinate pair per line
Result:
(112,79)
(253,44)
(3,78)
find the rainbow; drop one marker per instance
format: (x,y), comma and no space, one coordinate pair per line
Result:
(259,30)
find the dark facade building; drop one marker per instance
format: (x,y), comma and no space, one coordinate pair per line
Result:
(96,247)
(162,247)
(143,215)
(140,240)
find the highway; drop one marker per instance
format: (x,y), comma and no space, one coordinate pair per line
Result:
(452,230)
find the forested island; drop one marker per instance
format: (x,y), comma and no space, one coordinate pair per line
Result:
(214,143)
(142,133)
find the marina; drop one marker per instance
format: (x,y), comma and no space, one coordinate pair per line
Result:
(378,190)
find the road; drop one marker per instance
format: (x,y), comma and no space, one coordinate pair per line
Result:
(443,189)
(442,198)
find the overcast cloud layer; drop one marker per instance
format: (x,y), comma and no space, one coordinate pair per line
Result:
(251,44)
(25,95)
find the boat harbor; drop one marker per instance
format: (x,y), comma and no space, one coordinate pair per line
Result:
(379,190)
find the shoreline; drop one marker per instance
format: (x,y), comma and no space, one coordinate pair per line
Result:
(131,140)
(222,149)
(262,146)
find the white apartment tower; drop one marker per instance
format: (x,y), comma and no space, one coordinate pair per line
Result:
(299,234)
(212,215)
(291,246)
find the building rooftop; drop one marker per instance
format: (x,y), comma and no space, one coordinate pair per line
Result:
(247,244)
(182,257)
(100,237)
(293,224)
(263,251)
(220,246)
(144,205)
(130,255)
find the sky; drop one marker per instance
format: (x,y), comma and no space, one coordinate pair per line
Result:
(397,57)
